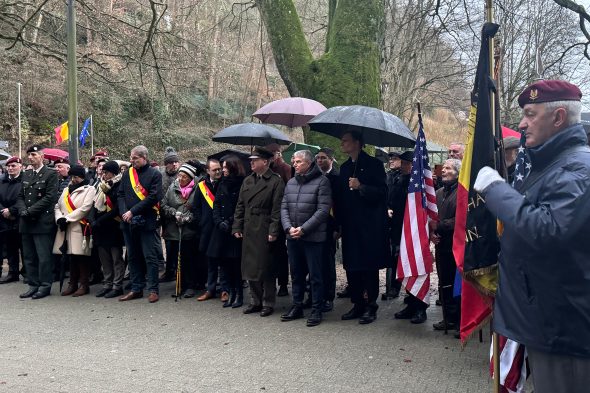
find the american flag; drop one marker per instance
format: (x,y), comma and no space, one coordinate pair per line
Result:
(415,261)
(513,357)
(522,167)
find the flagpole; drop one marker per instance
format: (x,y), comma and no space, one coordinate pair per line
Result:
(496,341)
(91,135)
(72,85)
(20,146)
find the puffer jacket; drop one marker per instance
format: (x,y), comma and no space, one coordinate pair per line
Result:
(543,297)
(173,203)
(306,204)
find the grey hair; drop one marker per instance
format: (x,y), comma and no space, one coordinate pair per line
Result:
(456,164)
(141,151)
(573,109)
(305,154)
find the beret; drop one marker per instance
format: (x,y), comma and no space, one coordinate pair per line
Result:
(549,91)
(14,159)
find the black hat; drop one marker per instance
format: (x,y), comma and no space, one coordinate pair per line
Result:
(394,154)
(111,166)
(77,170)
(407,156)
(170,156)
(261,152)
(35,149)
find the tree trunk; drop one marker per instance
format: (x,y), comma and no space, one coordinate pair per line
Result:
(348,73)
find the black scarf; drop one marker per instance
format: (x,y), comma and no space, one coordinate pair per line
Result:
(73,187)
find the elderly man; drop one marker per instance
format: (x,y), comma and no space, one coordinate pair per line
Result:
(257,221)
(35,204)
(62,167)
(325,161)
(544,283)
(361,212)
(10,188)
(456,150)
(138,199)
(442,237)
(304,214)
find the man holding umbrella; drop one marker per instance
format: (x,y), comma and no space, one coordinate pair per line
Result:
(361,212)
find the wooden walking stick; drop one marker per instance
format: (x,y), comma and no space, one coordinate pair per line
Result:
(178,267)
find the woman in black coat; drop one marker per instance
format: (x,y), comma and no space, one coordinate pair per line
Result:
(223,246)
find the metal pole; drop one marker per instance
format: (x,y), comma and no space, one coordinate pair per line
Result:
(91,135)
(72,85)
(20,147)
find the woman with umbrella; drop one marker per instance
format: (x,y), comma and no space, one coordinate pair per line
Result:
(179,226)
(73,237)
(223,246)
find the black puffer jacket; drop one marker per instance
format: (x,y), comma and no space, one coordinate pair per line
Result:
(306,204)
(9,190)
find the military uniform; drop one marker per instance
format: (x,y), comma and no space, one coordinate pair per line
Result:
(35,204)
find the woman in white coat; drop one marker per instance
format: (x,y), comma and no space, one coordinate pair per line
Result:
(73,234)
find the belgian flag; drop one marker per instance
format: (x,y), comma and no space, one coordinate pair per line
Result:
(475,242)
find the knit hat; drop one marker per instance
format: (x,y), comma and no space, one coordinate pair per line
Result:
(188,170)
(111,166)
(77,170)
(170,156)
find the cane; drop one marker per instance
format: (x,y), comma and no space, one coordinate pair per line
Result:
(178,273)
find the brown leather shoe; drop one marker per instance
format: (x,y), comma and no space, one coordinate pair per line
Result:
(83,290)
(131,295)
(206,296)
(153,297)
(224,296)
(70,290)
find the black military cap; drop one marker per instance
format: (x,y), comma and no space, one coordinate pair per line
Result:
(34,149)
(407,156)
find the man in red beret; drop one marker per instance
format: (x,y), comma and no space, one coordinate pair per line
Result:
(10,187)
(543,297)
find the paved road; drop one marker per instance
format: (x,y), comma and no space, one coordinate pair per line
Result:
(87,344)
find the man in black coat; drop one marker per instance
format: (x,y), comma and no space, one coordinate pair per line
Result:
(10,188)
(36,204)
(361,212)
(325,161)
(138,198)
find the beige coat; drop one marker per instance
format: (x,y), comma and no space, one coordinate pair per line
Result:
(82,198)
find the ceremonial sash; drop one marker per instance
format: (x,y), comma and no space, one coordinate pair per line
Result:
(70,207)
(141,192)
(109,205)
(207,194)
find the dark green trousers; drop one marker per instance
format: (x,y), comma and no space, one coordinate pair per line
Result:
(38,258)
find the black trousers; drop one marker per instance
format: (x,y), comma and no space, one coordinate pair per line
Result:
(193,265)
(329,269)
(446,270)
(281,259)
(12,241)
(360,281)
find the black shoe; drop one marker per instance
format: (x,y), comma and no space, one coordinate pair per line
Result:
(315,318)
(103,292)
(344,293)
(406,313)
(354,313)
(251,309)
(441,326)
(407,300)
(419,317)
(39,295)
(113,293)
(266,311)
(457,335)
(231,299)
(28,293)
(328,306)
(239,298)
(307,303)
(391,294)
(295,312)
(283,291)
(369,315)
(10,277)
(167,278)
(189,293)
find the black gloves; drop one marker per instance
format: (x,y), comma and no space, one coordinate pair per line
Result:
(62,223)
(224,226)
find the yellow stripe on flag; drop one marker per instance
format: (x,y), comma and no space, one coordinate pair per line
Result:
(62,133)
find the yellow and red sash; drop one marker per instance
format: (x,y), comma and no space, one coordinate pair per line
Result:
(207,194)
(141,192)
(109,205)
(71,207)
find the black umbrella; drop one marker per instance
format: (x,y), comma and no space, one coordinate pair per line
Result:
(378,128)
(251,134)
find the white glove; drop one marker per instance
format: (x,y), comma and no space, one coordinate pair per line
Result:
(485,178)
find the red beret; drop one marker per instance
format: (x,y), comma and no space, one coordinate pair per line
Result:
(549,91)
(14,159)
(62,161)
(101,153)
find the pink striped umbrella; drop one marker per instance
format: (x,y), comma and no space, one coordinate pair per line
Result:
(290,112)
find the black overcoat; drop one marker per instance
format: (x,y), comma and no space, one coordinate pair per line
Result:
(222,243)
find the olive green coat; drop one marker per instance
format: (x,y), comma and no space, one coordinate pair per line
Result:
(258,215)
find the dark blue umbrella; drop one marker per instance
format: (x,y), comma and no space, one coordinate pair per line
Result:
(251,134)
(378,128)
